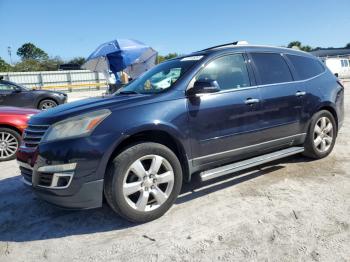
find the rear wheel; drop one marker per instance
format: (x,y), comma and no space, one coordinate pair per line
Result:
(143,182)
(47,104)
(9,143)
(321,136)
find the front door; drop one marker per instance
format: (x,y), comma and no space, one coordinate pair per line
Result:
(7,94)
(12,95)
(224,124)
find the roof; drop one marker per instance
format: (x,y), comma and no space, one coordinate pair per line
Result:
(245,48)
(331,52)
(251,48)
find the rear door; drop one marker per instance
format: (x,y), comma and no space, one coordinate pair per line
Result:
(282,99)
(306,71)
(225,124)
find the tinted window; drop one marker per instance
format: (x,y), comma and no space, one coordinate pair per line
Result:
(229,71)
(7,87)
(306,67)
(272,68)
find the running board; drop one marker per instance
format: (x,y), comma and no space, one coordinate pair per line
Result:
(248,163)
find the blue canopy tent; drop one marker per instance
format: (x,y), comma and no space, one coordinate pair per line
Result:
(129,55)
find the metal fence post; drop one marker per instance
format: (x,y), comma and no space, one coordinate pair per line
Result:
(41,82)
(97,76)
(69,80)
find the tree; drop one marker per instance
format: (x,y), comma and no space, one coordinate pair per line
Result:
(4,67)
(294,44)
(30,51)
(347,45)
(77,60)
(306,48)
(161,58)
(28,65)
(298,45)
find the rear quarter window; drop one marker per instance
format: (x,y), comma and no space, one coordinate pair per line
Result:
(306,67)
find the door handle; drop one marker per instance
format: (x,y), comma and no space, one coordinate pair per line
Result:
(251,101)
(300,93)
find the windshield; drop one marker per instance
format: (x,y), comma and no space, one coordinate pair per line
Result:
(160,77)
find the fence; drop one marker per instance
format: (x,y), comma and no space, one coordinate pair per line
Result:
(58,80)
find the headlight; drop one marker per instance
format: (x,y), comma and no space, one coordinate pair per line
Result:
(77,126)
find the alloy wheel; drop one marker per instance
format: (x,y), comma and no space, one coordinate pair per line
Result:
(323,134)
(148,183)
(47,105)
(8,145)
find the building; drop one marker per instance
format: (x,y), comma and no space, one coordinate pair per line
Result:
(336,59)
(324,53)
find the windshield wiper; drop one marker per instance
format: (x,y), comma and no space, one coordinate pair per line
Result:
(127,92)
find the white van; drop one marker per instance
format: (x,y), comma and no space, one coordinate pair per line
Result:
(339,66)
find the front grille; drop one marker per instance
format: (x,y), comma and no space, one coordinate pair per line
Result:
(26,173)
(33,134)
(45,179)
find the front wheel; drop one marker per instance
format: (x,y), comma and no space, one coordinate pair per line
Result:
(143,182)
(321,136)
(47,104)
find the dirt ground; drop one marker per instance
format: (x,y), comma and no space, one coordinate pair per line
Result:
(291,210)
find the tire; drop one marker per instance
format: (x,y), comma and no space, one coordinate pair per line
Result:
(322,128)
(9,143)
(147,203)
(47,104)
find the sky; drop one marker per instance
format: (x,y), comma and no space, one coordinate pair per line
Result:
(71,28)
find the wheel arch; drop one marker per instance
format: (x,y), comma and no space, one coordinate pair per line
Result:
(11,127)
(330,108)
(40,99)
(160,136)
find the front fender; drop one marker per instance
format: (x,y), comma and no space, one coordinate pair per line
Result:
(171,130)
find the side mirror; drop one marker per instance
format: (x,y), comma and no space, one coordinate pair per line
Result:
(204,87)
(17,90)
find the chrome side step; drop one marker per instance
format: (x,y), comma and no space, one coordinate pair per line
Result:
(248,163)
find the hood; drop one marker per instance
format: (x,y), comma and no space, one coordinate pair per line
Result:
(64,111)
(18,110)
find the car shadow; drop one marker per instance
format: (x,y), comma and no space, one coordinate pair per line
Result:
(24,217)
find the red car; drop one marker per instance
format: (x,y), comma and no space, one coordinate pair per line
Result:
(13,121)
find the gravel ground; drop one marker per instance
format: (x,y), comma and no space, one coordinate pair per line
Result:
(291,210)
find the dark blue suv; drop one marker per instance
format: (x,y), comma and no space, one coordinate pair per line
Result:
(208,114)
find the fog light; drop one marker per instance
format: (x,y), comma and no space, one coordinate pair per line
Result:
(61,180)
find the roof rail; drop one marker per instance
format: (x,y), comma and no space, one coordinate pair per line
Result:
(233,43)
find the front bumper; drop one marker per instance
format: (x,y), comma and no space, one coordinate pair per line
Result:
(52,183)
(67,173)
